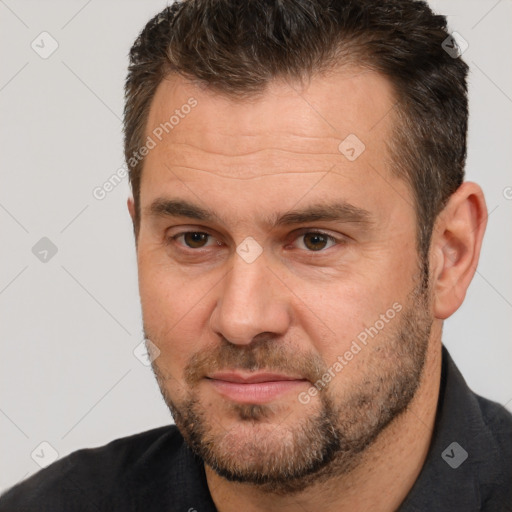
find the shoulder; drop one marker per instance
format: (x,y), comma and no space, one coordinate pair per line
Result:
(495,473)
(498,421)
(96,478)
(470,450)
(484,429)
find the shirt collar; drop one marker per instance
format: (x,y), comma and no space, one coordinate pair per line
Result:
(461,452)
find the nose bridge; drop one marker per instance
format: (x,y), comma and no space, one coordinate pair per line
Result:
(249,303)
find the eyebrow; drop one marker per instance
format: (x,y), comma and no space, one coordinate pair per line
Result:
(178,208)
(339,211)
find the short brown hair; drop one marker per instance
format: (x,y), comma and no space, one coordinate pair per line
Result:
(238,46)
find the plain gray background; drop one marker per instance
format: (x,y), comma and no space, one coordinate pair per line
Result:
(69,325)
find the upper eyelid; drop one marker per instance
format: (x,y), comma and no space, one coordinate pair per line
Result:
(296,233)
(305,231)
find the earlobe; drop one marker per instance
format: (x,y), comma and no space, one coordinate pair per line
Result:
(455,248)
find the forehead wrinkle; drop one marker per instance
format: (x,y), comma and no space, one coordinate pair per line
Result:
(245,178)
(328,140)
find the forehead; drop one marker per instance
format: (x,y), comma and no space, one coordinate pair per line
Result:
(284,138)
(314,115)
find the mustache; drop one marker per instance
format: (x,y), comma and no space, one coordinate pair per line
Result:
(264,354)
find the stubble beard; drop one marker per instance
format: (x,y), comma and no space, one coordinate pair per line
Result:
(287,458)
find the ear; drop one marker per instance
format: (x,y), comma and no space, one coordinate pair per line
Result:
(131,208)
(133,215)
(455,248)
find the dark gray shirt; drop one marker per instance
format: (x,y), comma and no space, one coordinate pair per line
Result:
(468,467)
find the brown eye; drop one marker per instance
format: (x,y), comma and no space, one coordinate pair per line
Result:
(315,241)
(195,240)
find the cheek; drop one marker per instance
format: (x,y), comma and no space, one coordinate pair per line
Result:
(165,292)
(339,313)
(175,313)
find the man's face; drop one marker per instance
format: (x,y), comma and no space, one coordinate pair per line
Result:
(279,276)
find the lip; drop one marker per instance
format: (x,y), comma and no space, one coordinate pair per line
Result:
(255,387)
(251,378)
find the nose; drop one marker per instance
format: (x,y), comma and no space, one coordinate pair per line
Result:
(251,301)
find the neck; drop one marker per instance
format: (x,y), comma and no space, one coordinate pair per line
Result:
(380,482)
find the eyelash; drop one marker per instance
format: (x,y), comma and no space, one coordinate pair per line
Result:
(330,238)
